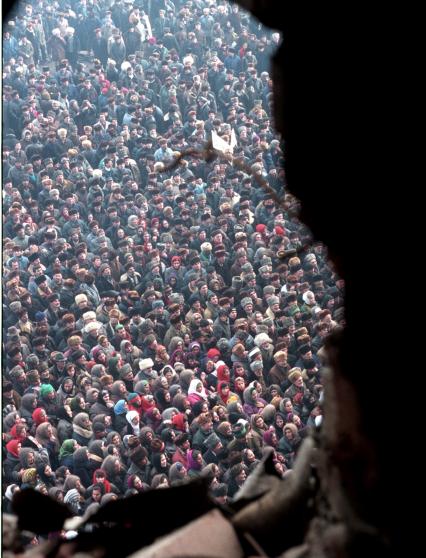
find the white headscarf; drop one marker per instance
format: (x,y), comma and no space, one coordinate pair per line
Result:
(130,415)
(193,388)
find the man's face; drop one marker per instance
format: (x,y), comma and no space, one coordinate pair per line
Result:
(96,495)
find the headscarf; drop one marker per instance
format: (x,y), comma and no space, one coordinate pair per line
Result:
(193,388)
(105,483)
(37,418)
(45,389)
(12,447)
(130,415)
(223,373)
(192,463)
(79,428)
(29,476)
(67,448)
(179,422)
(16,432)
(72,497)
(119,407)
(41,434)
(220,386)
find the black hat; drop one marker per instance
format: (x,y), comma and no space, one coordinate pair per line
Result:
(77,354)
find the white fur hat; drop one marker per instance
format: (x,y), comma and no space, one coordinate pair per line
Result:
(145,363)
(262,338)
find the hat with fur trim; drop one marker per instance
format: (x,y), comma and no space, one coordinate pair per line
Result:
(80,298)
(145,363)
(294,375)
(262,338)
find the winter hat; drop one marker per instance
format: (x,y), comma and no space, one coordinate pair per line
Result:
(80,298)
(212,441)
(72,496)
(256,365)
(124,370)
(140,386)
(247,267)
(245,301)
(268,289)
(92,326)
(15,306)
(58,357)
(222,344)
(280,355)
(132,396)
(145,363)
(254,352)
(236,282)
(294,375)
(262,338)
(273,300)
(211,353)
(89,316)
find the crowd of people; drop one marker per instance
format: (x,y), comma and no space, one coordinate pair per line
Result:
(161,321)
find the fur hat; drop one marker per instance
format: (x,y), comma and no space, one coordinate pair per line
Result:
(294,375)
(273,300)
(74,340)
(236,282)
(248,277)
(255,351)
(268,289)
(280,355)
(256,365)
(245,301)
(80,298)
(145,363)
(262,338)
(89,315)
(212,441)
(92,326)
